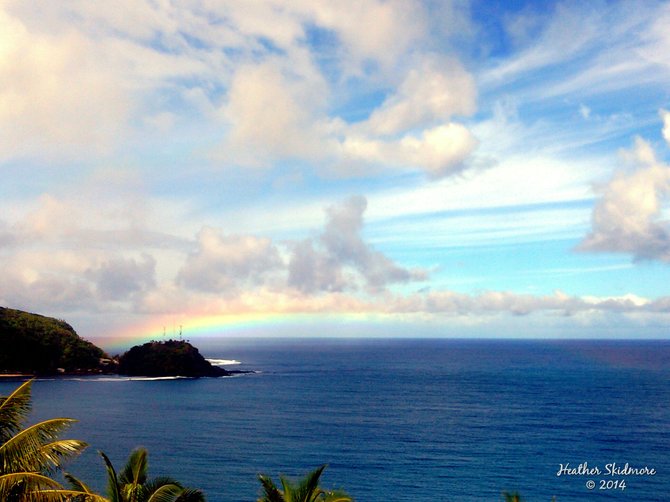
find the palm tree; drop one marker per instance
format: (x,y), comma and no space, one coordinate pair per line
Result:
(29,456)
(512,497)
(132,484)
(306,490)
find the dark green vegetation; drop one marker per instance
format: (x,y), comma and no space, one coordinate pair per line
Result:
(35,344)
(169,358)
(133,485)
(306,490)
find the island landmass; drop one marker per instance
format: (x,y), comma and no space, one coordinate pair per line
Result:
(37,345)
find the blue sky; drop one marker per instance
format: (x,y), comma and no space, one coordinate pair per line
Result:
(427,168)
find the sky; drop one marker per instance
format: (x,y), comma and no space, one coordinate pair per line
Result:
(353,168)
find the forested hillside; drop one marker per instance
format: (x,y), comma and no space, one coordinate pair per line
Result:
(35,344)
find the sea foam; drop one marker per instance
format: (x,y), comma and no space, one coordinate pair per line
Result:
(223,362)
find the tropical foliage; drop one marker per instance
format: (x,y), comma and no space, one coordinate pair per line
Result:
(306,490)
(132,484)
(30,455)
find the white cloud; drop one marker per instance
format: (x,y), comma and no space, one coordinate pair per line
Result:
(627,218)
(439,152)
(432,92)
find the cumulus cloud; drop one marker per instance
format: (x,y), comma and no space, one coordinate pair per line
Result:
(439,152)
(413,127)
(222,262)
(339,257)
(431,93)
(628,216)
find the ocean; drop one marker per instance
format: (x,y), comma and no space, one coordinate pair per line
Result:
(395,420)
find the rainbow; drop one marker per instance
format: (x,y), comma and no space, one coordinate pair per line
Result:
(233,325)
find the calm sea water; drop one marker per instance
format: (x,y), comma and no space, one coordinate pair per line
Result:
(395,420)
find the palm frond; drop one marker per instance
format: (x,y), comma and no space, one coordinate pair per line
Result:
(58,451)
(336,496)
(155,483)
(191,495)
(308,489)
(37,447)
(166,493)
(272,493)
(135,470)
(64,495)
(112,480)
(287,488)
(77,484)
(14,410)
(19,483)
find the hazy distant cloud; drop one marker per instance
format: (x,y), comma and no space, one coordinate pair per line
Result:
(222,262)
(118,278)
(627,218)
(339,257)
(507,302)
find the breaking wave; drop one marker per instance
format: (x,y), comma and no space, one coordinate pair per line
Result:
(122,378)
(223,362)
